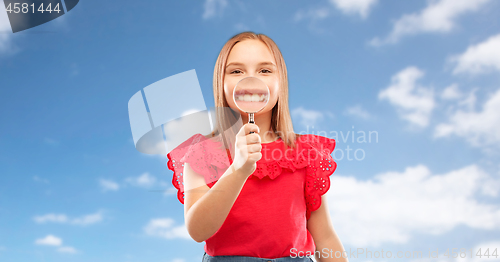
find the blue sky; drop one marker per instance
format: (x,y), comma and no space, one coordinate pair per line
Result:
(423,75)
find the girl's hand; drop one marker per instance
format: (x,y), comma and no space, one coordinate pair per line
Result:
(247,149)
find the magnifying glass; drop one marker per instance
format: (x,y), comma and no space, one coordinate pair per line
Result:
(251,95)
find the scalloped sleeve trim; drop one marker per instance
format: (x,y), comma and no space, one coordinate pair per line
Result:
(204,156)
(318,171)
(175,164)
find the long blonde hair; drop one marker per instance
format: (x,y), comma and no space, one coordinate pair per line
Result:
(281,122)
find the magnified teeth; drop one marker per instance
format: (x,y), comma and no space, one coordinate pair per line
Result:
(247,98)
(251,98)
(255,98)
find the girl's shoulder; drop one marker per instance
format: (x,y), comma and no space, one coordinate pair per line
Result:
(205,155)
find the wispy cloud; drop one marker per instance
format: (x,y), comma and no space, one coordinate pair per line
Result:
(143,180)
(64,219)
(479,128)
(67,249)
(451,93)
(413,102)
(349,7)
(165,228)
(317,13)
(357,111)
(313,15)
(480,58)
(241,27)
(437,17)
(396,206)
(355,7)
(51,240)
(170,191)
(213,8)
(108,185)
(41,180)
(307,117)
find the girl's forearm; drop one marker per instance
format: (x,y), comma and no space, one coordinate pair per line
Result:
(332,246)
(209,212)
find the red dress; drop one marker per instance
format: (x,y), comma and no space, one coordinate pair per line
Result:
(269,217)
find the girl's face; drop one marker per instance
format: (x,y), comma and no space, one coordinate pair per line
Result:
(251,58)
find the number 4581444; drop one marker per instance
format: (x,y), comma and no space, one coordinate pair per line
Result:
(25,8)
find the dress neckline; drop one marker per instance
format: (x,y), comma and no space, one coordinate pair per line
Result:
(275,141)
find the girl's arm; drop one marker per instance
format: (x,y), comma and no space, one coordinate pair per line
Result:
(321,228)
(205,208)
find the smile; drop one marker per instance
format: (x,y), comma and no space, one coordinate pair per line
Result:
(251,98)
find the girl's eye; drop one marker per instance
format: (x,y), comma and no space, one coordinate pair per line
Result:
(236,71)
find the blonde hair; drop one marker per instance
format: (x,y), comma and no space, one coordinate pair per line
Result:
(281,122)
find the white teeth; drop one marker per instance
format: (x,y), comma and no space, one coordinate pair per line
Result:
(251,98)
(255,98)
(247,98)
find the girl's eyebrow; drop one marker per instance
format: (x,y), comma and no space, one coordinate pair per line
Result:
(240,64)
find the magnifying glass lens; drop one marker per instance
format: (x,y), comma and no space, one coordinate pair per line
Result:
(251,95)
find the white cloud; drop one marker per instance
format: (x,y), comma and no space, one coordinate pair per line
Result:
(313,14)
(438,16)
(480,128)
(87,219)
(213,8)
(144,180)
(164,227)
(348,7)
(357,111)
(39,179)
(241,27)
(414,103)
(395,206)
(354,7)
(480,58)
(56,218)
(67,249)
(451,93)
(49,240)
(170,191)
(108,185)
(307,117)
(62,218)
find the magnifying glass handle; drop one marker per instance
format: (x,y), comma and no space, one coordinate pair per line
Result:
(251,121)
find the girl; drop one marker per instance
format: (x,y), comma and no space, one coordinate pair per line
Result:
(269,205)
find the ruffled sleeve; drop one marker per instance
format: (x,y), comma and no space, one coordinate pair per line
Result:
(319,169)
(205,156)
